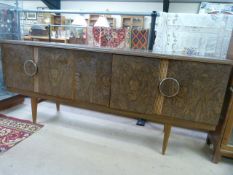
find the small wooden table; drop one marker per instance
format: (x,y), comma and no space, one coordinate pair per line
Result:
(45,39)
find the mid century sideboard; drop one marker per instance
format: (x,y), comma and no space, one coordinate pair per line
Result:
(173,90)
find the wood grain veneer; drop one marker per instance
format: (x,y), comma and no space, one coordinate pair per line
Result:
(92,77)
(202,91)
(13,63)
(134,83)
(55,72)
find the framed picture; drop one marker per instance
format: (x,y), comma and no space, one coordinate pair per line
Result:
(41,8)
(22,15)
(216,8)
(31,16)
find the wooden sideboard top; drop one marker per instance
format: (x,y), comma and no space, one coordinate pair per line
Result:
(132,52)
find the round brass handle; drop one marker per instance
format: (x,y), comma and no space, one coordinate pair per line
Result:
(169,87)
(30,68)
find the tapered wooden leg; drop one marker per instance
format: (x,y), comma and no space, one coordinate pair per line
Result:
(34,101)
(217,154)
(167,131)
(58,106)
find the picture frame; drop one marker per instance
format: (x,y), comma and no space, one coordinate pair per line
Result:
(31,16)
(22,15)
(41,8)
(216,8)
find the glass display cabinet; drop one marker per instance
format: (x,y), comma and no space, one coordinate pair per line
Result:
(9,19)
(9,29)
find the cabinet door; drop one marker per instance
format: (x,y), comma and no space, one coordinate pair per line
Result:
(55,72)
(134,83)
(92,77)
(201,94)
(14,57)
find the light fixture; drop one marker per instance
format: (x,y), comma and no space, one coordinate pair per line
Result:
(102,22)
(47,20)
(80,21)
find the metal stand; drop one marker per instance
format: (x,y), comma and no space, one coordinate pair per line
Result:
(152,30)
(18,20)
(86,12)
(141,122)
(49,28)
(166,5)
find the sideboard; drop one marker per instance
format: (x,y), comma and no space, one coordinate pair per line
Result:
(173,90)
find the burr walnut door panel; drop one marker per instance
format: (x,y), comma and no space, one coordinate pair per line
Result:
(134,83)
(92,77)
(55,72)
(14,57)
(201,94)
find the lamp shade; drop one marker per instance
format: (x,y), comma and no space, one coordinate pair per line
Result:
(80,21)
(102,22)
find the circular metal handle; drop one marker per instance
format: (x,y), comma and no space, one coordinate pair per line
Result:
(169,87)
(30,68)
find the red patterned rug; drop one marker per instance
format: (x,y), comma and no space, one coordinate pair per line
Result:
(13,131)
(108,37)
(139,39)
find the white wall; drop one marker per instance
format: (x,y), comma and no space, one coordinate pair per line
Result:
(33,4)
(10,2)
(25,4)
(184,7)
(129,7)
(113,6)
